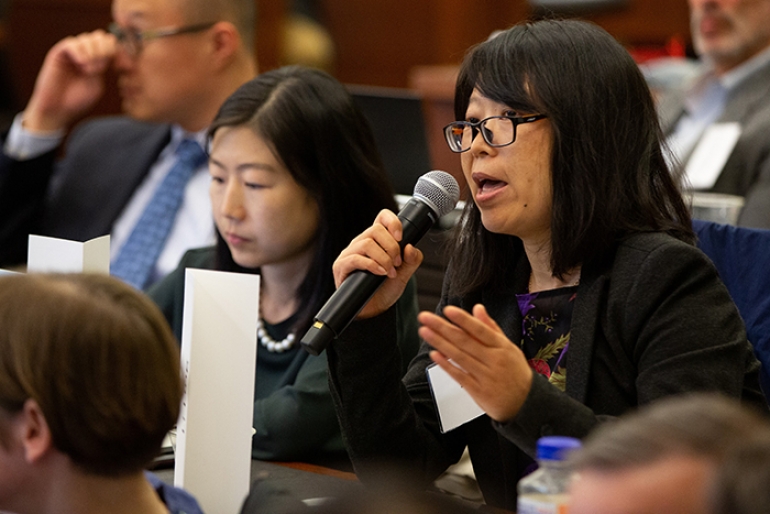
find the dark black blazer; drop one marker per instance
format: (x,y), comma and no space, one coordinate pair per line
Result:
(80,196)
(651,320)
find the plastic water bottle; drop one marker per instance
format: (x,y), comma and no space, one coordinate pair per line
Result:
(545,490)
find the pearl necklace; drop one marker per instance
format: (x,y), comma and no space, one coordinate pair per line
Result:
(271,344)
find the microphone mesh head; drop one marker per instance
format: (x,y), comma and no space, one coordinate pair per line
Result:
(439,190)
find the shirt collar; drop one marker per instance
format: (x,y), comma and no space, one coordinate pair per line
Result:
(740,73)
(178,134)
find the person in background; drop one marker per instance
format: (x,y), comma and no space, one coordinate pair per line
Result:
(574,291)
(664,458)
(726,107)
(141,177)
(295,174)
(89,386)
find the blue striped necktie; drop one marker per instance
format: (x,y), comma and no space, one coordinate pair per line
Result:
(137,258)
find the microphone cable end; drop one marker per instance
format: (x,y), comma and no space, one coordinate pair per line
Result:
(317,338)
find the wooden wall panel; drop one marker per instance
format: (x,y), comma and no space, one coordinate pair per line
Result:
(36,25)
(270,15)
(647,22)
(378,43)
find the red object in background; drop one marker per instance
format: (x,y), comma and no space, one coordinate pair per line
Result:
(674,47)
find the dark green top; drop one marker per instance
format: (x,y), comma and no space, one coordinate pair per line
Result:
(293,411)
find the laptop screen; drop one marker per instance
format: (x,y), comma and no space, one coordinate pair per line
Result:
(396,118)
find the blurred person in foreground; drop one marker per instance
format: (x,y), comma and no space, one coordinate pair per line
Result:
(723,112)
(667,458)
(142,177)
(89,386)
(741,482)
(574,291)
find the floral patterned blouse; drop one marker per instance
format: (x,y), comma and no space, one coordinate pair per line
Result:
(546,323)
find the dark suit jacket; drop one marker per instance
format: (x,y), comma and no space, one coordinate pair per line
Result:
(650,321)
(747,171)
(80,196)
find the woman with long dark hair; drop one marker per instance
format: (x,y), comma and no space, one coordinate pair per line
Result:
(574,291)
(295,175)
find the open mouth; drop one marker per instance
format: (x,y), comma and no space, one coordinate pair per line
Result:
(487,185)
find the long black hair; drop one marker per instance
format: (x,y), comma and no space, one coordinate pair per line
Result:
(609,175)
(315,129)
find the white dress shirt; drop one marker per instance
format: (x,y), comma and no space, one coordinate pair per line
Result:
(193,226)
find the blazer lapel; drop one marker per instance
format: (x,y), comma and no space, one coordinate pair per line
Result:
(501,303)
(585,316)
(134,167)
(747,97)
(92,190)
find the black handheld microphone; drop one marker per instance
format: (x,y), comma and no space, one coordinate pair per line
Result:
(435,195)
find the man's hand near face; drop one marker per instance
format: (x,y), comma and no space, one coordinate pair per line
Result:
(70,81)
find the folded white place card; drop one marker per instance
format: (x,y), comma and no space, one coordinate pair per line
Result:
(711,153)
(455,406)
(219,351)
(53,255)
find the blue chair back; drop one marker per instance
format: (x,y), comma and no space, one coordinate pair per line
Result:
(742,258)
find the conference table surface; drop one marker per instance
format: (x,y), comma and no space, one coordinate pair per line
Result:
(293,482)
(283,487)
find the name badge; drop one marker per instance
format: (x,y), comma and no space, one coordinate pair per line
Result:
(711,153)
(455,406)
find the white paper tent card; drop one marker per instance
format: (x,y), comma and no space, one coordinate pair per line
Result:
(219,351)
(455,406)
(52,255)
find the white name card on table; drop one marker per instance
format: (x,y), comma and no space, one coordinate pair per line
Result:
(52,255)
(219,351)
(455,406)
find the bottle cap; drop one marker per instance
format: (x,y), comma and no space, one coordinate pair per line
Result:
(556,447)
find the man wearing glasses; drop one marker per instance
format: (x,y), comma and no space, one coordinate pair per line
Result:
(142,177)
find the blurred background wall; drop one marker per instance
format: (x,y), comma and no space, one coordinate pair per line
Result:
(376,43)
(395,43)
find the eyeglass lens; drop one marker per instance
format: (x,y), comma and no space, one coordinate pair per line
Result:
(497,131)
(129,39)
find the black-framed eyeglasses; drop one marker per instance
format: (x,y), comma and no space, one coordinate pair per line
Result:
(133,40)
(496,130)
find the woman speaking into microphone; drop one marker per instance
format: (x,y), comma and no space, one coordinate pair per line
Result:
(574,291)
